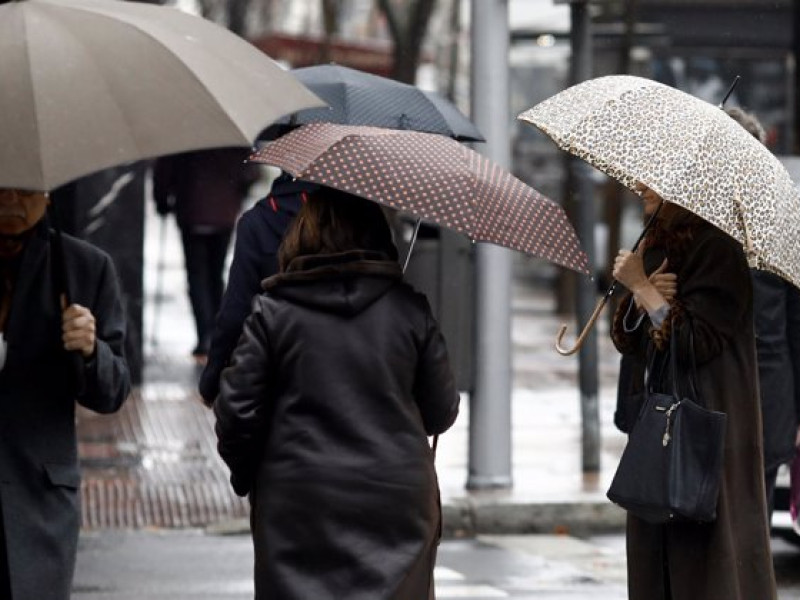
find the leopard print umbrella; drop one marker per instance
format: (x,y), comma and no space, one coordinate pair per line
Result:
(688,151)
(432,177)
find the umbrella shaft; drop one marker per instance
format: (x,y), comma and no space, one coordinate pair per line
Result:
(411,244)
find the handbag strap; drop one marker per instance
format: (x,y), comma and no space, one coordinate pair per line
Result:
(683,370)
(687,368)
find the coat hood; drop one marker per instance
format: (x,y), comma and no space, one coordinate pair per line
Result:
(344,284)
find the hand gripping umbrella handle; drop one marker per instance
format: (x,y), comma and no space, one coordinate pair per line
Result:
(601,304)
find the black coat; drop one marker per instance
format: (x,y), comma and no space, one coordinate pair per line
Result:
(259,233)
(776,306)
(323,417)
(730,558)
(205,188)
(38,447)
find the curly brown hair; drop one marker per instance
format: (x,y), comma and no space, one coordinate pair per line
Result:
(331,222)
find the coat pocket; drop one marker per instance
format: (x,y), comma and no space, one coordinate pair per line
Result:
(63,475)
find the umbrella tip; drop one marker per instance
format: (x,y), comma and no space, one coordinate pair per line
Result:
(730,91)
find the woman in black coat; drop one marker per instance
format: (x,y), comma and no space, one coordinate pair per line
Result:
(323,416)
(709,309)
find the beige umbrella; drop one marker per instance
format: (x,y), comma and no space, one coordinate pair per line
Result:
(690,152)
(87,84)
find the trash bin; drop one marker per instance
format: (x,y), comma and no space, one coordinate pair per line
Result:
(441,267)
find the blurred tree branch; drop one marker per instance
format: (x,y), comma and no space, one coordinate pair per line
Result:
(408,23)
(331,12)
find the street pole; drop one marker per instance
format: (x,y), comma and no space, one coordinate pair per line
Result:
(490,401)
(586,296)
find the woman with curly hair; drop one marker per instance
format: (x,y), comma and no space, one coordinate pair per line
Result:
(692,281)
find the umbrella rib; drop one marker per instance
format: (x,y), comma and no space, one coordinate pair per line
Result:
(38,134)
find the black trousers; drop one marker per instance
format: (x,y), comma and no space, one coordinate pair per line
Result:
(5,578)
(770,478)
(204,257)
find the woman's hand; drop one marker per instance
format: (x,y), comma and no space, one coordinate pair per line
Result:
(647,291)
(629,270)
(665,283)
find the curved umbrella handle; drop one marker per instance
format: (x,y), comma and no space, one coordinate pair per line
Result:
(601,304)
(586,329)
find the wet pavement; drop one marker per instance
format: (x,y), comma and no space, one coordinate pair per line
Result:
(179,565)
(189,564)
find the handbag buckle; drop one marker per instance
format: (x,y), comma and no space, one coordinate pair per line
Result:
(668,414)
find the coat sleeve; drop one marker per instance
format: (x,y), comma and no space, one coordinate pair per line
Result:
(435,388)
(241,408)
(714,297)
(107,380)
(244,283)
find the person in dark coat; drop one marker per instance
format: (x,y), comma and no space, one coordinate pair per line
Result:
(776,307)
(259,233)
(205,189)
(323,415)
(730,558)
(39,386)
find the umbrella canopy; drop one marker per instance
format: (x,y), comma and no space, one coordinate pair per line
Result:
(358,98)
(88,84)
(689,152)
(431,177)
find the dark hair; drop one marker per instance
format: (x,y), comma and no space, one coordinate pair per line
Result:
(749,121)
(332,221)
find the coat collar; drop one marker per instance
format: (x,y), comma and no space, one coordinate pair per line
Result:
(320,267)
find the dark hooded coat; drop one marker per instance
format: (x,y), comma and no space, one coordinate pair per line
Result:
(323,418)
(728,559)
(39,476)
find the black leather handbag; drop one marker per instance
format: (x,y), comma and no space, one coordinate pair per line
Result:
(672,465)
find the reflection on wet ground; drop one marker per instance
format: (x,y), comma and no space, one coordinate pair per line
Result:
(154,464)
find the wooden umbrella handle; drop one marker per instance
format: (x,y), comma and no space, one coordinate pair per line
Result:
(587,328)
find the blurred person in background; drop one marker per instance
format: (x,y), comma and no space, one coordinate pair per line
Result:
(776,309)
(259,233)
(206,190)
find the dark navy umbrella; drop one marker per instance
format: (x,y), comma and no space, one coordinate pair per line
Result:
(359,98)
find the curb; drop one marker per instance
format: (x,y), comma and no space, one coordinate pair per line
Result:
(466,518)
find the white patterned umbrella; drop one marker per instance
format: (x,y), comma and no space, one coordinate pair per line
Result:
(431,177)
(689,152)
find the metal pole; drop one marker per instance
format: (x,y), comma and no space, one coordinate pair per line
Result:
(581,70)
(490,401)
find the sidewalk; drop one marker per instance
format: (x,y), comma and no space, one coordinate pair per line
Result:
(154,464)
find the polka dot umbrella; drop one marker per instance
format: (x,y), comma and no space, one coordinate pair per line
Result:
(431,177)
